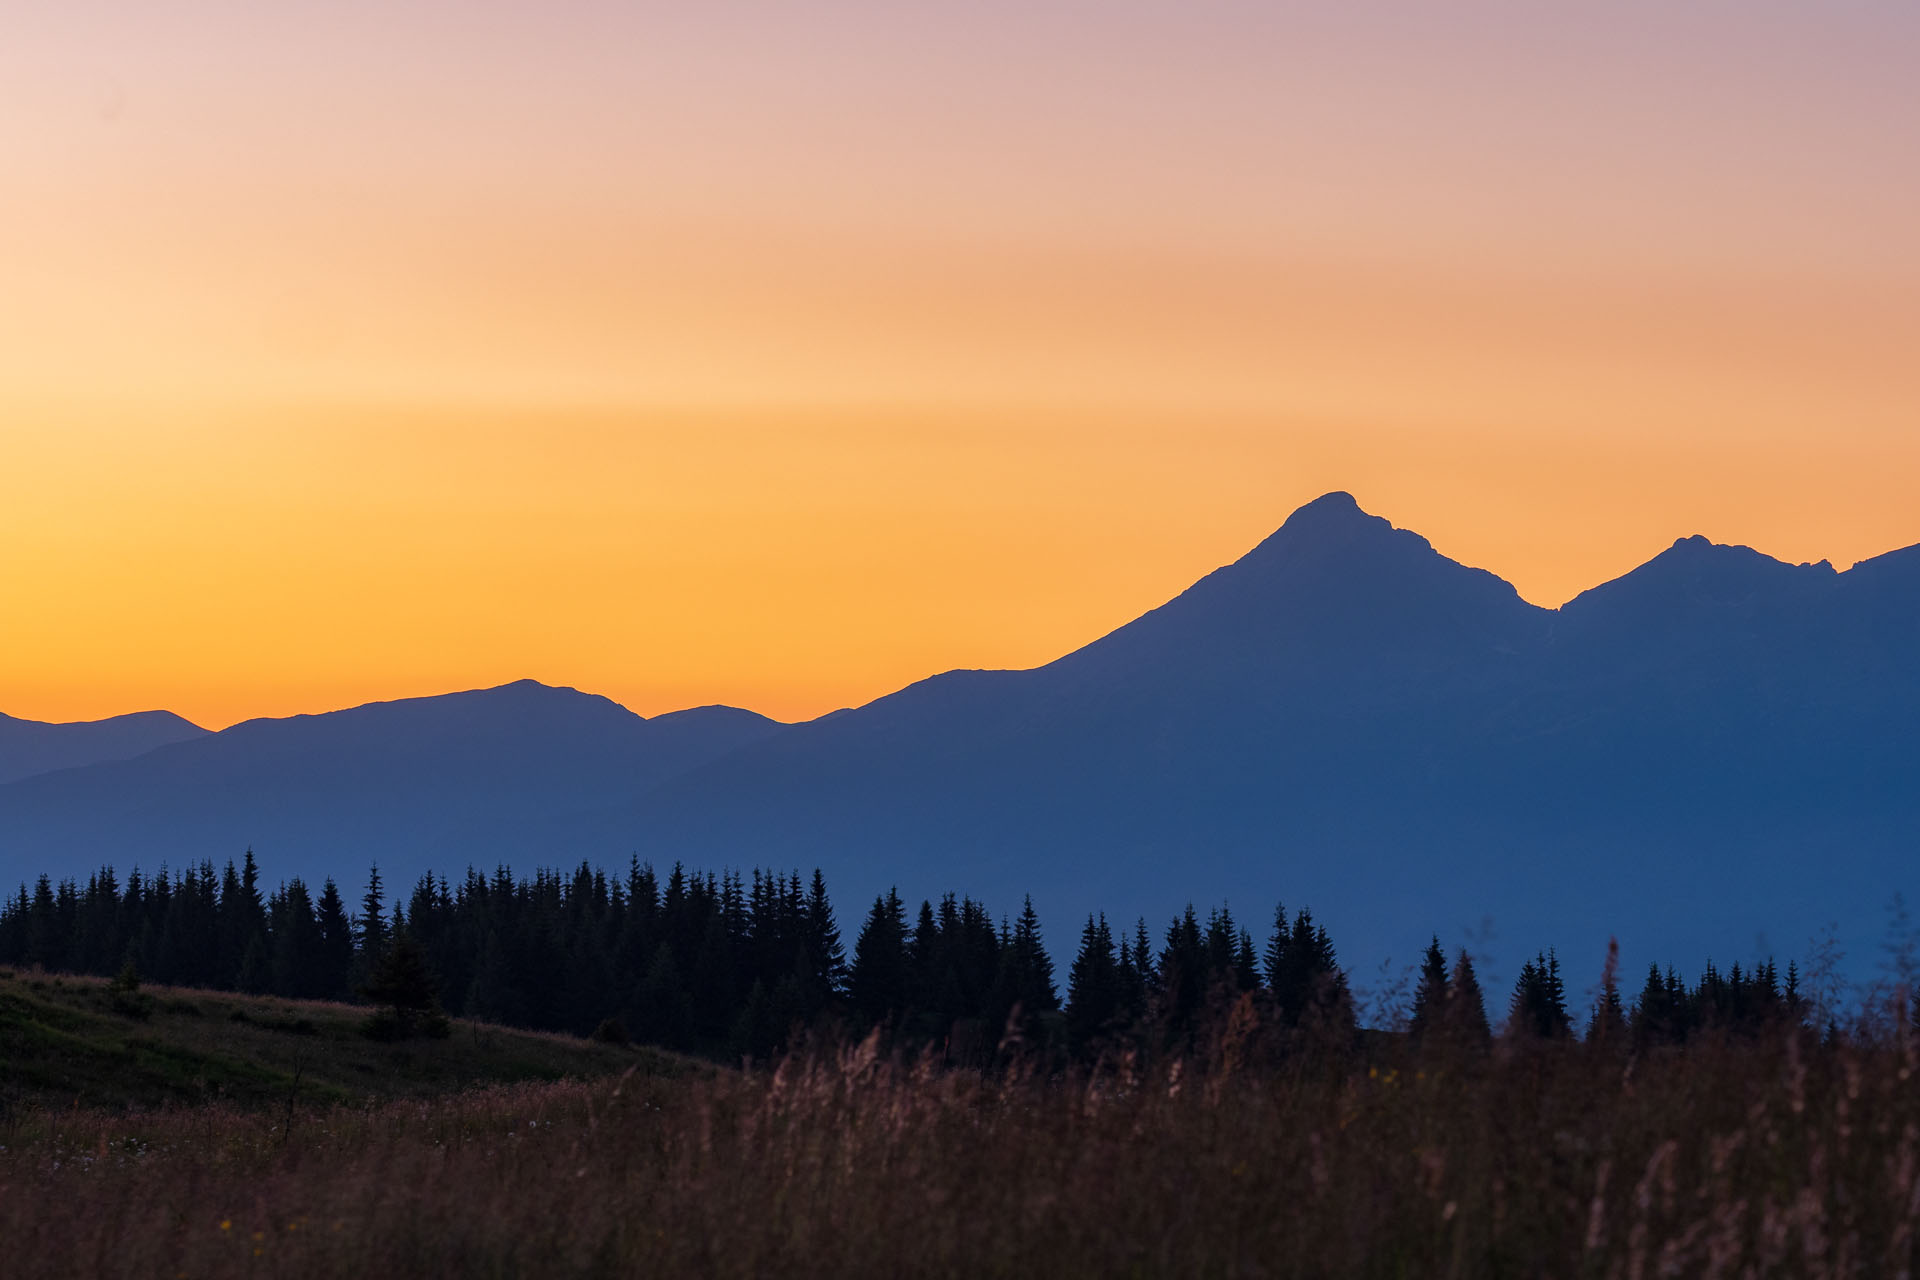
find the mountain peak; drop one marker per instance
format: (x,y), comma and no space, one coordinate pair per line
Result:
(1334,512)
(1335,528)
(1697,572)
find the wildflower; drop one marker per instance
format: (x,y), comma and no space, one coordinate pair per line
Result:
(226,1224)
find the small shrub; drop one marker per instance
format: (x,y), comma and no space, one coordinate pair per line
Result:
(408,994)
(124,996)
(612,1031)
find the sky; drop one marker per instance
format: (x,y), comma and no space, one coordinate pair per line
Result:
(780,355)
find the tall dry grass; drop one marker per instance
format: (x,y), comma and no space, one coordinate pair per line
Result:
(1727,1159)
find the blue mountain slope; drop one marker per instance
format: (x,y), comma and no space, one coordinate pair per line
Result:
(1713,755)
(28,747)
(437,783)
(1715,747)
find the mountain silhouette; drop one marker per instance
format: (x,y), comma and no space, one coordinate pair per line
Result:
(1711,756)
(440,782)
(28,747)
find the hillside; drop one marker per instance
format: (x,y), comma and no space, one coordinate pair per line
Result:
(31,747)
(1709,757)
(441,782)
(67,1040)
(1667,759)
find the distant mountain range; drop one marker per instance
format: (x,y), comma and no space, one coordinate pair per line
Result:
(28,747)
(444,782)
(1710,756)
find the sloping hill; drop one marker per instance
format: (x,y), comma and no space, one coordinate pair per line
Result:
(29,747)
(1712,754)
(67,1040)
(441,783)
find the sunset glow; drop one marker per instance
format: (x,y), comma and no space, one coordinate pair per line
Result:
(722,353)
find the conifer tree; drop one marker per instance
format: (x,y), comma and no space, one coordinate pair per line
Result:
(334,972)
(1143,954)
(1274,960)
(1466,1009)
(404,988)
(1607,1026)
(372,940)
(1183,973)
(1034,987)
(1430,996)
(877,986)
(827,962)
(1246,968)
(1095,998)
(1538,1009)
(1653,1021)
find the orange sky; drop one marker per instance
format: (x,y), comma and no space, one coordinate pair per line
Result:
(782,355)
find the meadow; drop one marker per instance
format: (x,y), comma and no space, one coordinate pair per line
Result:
(1760,1155)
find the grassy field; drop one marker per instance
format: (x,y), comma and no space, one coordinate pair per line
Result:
(72,1041)
(1749,1158)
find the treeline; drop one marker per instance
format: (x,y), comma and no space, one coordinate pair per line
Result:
(731,964)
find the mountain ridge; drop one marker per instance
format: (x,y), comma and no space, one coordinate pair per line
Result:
(1343,707)
(30,747)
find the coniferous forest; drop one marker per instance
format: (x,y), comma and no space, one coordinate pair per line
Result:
(931,1098)
(729,965)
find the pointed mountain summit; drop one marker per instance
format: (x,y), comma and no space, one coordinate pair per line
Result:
(29,747)
(1713,746)
(1333,587)
(1345,716)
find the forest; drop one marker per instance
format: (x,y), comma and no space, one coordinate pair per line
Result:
(730,966)
(270,1080)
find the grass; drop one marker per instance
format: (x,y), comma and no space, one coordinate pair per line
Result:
(73,1041)
(1732,1158)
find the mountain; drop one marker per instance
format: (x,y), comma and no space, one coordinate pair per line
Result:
(28,747)
(425,783)
(1712,755)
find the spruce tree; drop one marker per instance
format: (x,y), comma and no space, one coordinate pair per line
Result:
(1035,989)
(827,961)
(1538,1009)
(404,988)
(1183,972)
(1094,986)
(877,986)
(1275,960)
(333,976)
(1430,996)
(372,940)
(1608,1025)
(1466,1010)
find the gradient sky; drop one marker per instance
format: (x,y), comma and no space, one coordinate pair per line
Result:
(780,355)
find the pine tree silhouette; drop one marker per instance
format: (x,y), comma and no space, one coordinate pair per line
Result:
(877,986)
(406,991)
(1467,1028)
(372,940)
(1430,996)
(1539,1006)
(1095,988)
